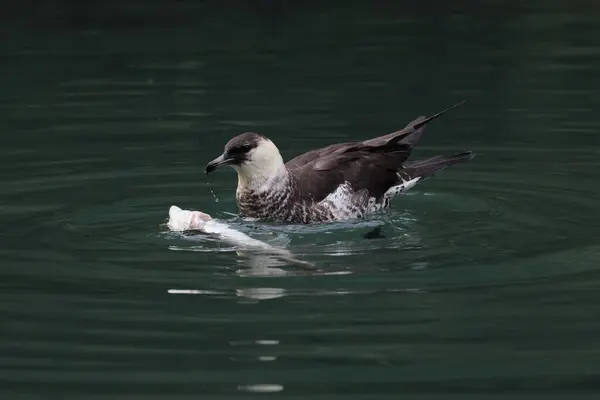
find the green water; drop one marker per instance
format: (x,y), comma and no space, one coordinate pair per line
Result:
(485,285)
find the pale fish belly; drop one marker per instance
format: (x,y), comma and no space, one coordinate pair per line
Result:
(183,220)
(401,188)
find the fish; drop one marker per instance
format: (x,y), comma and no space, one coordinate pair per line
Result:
(181,220)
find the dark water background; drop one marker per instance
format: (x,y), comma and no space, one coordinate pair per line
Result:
(486,284)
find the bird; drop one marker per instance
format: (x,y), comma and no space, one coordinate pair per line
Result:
(339,182)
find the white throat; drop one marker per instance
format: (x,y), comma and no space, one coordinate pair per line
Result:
(264,170)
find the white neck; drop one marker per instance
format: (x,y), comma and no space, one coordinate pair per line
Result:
(261,180)
(263,171)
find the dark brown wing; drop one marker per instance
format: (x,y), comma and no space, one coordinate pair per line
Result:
(346,151)
(409,135)
(371,164)
(313,155)
(375,172)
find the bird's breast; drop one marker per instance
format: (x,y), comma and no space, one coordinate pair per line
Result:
(264,204)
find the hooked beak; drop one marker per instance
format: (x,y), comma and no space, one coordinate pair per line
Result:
(218,162)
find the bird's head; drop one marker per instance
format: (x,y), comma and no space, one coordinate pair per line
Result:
(254,157)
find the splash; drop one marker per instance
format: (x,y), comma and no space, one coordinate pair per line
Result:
(212,192)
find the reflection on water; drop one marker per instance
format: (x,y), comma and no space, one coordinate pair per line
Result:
(264,388)
(260,388)
(261,293)
(481,283)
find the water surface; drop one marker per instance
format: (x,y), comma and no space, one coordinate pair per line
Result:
(484,284)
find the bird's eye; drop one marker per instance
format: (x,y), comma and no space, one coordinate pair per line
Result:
(246,147)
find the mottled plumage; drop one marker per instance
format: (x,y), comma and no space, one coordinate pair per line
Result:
(338,182)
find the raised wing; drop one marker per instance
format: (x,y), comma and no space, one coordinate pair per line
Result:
(370,164)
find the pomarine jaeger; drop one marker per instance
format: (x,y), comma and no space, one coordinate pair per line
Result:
(334,183)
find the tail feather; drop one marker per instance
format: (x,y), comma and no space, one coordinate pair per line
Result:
(428,167)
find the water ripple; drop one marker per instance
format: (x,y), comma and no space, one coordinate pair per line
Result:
(452,217)
(480,283)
